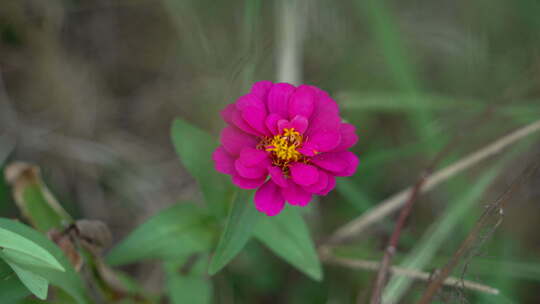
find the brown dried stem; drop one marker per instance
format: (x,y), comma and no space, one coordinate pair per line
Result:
(389,205)
(410,195)
(390,251)
(483,221)
(412,273)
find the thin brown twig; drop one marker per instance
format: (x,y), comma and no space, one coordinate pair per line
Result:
(412,273)
(412,194)
(382,274)
(389,205)
(390,250)
(494,208)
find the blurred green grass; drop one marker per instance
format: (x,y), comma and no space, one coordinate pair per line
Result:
(410,75)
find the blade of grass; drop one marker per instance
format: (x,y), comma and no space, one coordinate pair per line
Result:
(388,38)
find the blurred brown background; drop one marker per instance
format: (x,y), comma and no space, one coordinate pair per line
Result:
(89,89)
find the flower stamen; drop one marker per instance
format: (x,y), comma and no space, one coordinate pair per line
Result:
(283,148)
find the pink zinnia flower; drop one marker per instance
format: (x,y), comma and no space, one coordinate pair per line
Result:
(292,134)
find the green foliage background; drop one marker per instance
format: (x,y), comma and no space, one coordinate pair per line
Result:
(89,91)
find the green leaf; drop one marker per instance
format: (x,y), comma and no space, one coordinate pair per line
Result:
(35,283)
(238,230)
(35,201)
(178,230)
(287,235)
(37,301)
(68,280)
(26,260)
(24,251)
(189,289)
(38,210)
(195,147)
(11,287)
(192,287)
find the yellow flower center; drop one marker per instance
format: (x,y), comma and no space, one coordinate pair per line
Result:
(283,148)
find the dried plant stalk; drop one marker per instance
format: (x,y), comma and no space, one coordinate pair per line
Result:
(391,204)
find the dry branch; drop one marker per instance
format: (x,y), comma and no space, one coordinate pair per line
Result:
(412,273)
(494,209)
(394,202)
(390,251)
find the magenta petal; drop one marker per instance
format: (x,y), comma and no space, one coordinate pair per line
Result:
(250,172)
(247,183)
(223,161)
(278,98)
(320,92)
(250,100)
(303,174)
(341,163)
(227,113)
(272,123)
(302,102)
(323,122)
(283,124)
(329,186)
(320,185)
(326,102)
(353,161)
(308,149)
(268,199)
(255,117)
(239,122)
(324,105)
(325,141)
(234,140)
(295,195)
(277,176)
(251,157)
(265,112)
(325,117)
(348,137)
(299,123)
(261,88)
(331,161)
